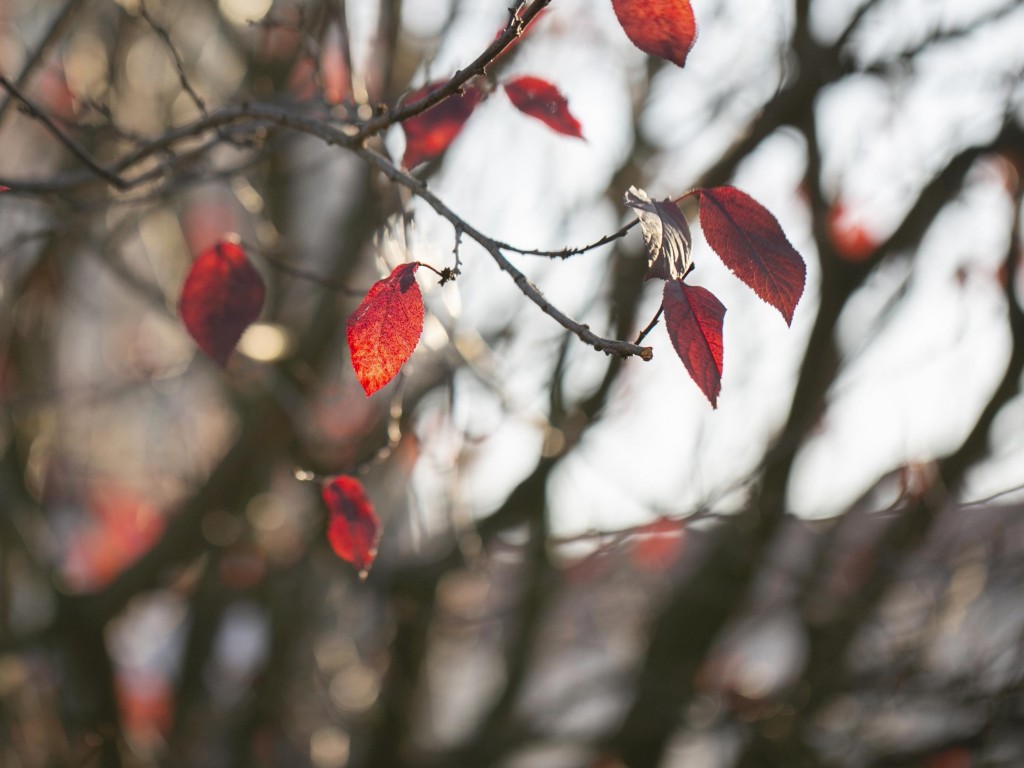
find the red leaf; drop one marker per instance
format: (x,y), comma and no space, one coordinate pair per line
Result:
(540,99)
(222,296)
(694,318)
(663,28)
(666,235)
(4,189)
(385,328)
(352,526)
(752,244)
(333,68)
(429,133)
(852,240)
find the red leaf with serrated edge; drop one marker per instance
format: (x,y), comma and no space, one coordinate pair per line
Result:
(540,99)
(694,317)
(666,235)
(385,328)
(750,241)
(429,133)
(662,28)
(352,526)
(223,294)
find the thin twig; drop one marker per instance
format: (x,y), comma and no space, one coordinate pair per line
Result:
(179,64)
(417,187)
(76,149)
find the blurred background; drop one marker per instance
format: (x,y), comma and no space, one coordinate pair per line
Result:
(582,563)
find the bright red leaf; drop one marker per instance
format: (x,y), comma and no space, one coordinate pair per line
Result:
(666,235)
(223,294)
(694,318)
(429,133)
(662,28)
(385,328)
(352,526)
(752,244)
(540,99)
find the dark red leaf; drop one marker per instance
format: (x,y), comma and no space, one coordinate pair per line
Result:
(663,28)
(752,244)
(385,328)
(666,235)
(223,294)
(540,99)
(352,526)
(694,318)
(429,133)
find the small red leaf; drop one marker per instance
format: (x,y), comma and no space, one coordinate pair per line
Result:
(852,240)
(662,28)
(385,328)
(666,235)
(540,99)
(752,244)
(352,526)
(694,318)
(223,294)
(429,133)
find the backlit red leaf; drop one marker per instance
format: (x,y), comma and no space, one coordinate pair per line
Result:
(352,526)
(694,318)
(663,28)
(223,294)
(429,133)
(540,99)
(666,235)
(752,244)
(385,328)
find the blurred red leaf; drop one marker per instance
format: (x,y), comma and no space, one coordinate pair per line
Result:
(352,526)
(851,239)
(752,244)
(385,328)
(657,546)
(223,294)
(542,100)
(694,318)
(333,68)
(666,235)
(4,189)
(662,28)
(429,133)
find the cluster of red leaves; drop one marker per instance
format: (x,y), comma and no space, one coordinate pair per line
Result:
(749,241)
(223,293)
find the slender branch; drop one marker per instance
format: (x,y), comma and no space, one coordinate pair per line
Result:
(517,24)
(493,248)
(75,148)
(179,64)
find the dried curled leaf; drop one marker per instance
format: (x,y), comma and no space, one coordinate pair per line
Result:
(750,241)
(352,526)
(694,318)
(662,28)
(430,133)
(666,235)
(385,328)
(222,295)
(540,99)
